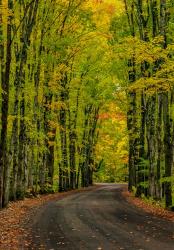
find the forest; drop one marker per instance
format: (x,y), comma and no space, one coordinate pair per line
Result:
(86,95)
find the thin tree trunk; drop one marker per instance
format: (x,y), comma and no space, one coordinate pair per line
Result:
(168,147)
(63,171)
(151,139)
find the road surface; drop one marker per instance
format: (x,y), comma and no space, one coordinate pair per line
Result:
(99,219)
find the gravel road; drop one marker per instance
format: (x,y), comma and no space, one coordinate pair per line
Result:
(99,219)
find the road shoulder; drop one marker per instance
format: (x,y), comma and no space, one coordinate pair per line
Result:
(16,219)
(153,209)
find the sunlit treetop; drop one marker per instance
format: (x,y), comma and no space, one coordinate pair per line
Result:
(104,11)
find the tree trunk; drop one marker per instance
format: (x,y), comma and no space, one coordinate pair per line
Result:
(5,76)
(168,148)
(63,171)
(151,140)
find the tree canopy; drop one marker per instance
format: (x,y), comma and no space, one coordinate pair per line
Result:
(86,94)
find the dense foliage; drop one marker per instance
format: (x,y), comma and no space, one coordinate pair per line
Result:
(54,66)
(150,120)
(72,74)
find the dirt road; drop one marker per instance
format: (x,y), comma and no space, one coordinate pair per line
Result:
(99,219)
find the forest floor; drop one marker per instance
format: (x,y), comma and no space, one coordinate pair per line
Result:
(151,207)
(101,217)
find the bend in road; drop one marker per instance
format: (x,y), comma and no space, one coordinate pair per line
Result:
(99,219)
